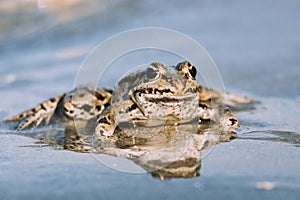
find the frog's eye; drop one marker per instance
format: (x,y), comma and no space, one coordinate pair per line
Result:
(187,69)
(152,72)
(193,71)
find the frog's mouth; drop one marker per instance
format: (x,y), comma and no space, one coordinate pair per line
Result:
(154,91)
(162,95)
(162,92)
(165,104)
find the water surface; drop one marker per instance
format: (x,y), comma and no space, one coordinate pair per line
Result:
(255,45)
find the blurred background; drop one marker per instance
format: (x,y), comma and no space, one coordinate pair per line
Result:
(255,45)
(43,42)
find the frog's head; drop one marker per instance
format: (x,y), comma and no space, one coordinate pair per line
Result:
(165,91)
(160,80)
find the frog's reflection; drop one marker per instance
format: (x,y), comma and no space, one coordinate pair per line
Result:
(166,151)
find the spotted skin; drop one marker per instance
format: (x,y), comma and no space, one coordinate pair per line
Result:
(81,103)
(85,103)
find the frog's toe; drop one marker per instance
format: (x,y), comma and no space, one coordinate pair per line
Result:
(104,130)
(229,122)
(33,120)
(105,127)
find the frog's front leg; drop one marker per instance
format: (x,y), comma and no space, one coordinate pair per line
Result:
(116,114)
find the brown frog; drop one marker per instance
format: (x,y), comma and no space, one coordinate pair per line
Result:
(158,95)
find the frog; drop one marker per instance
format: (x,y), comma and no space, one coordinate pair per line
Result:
(156,96)
(162,95)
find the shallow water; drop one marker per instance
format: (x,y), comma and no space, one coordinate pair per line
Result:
(255,45)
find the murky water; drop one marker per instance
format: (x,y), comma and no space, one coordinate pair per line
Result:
(255,45)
